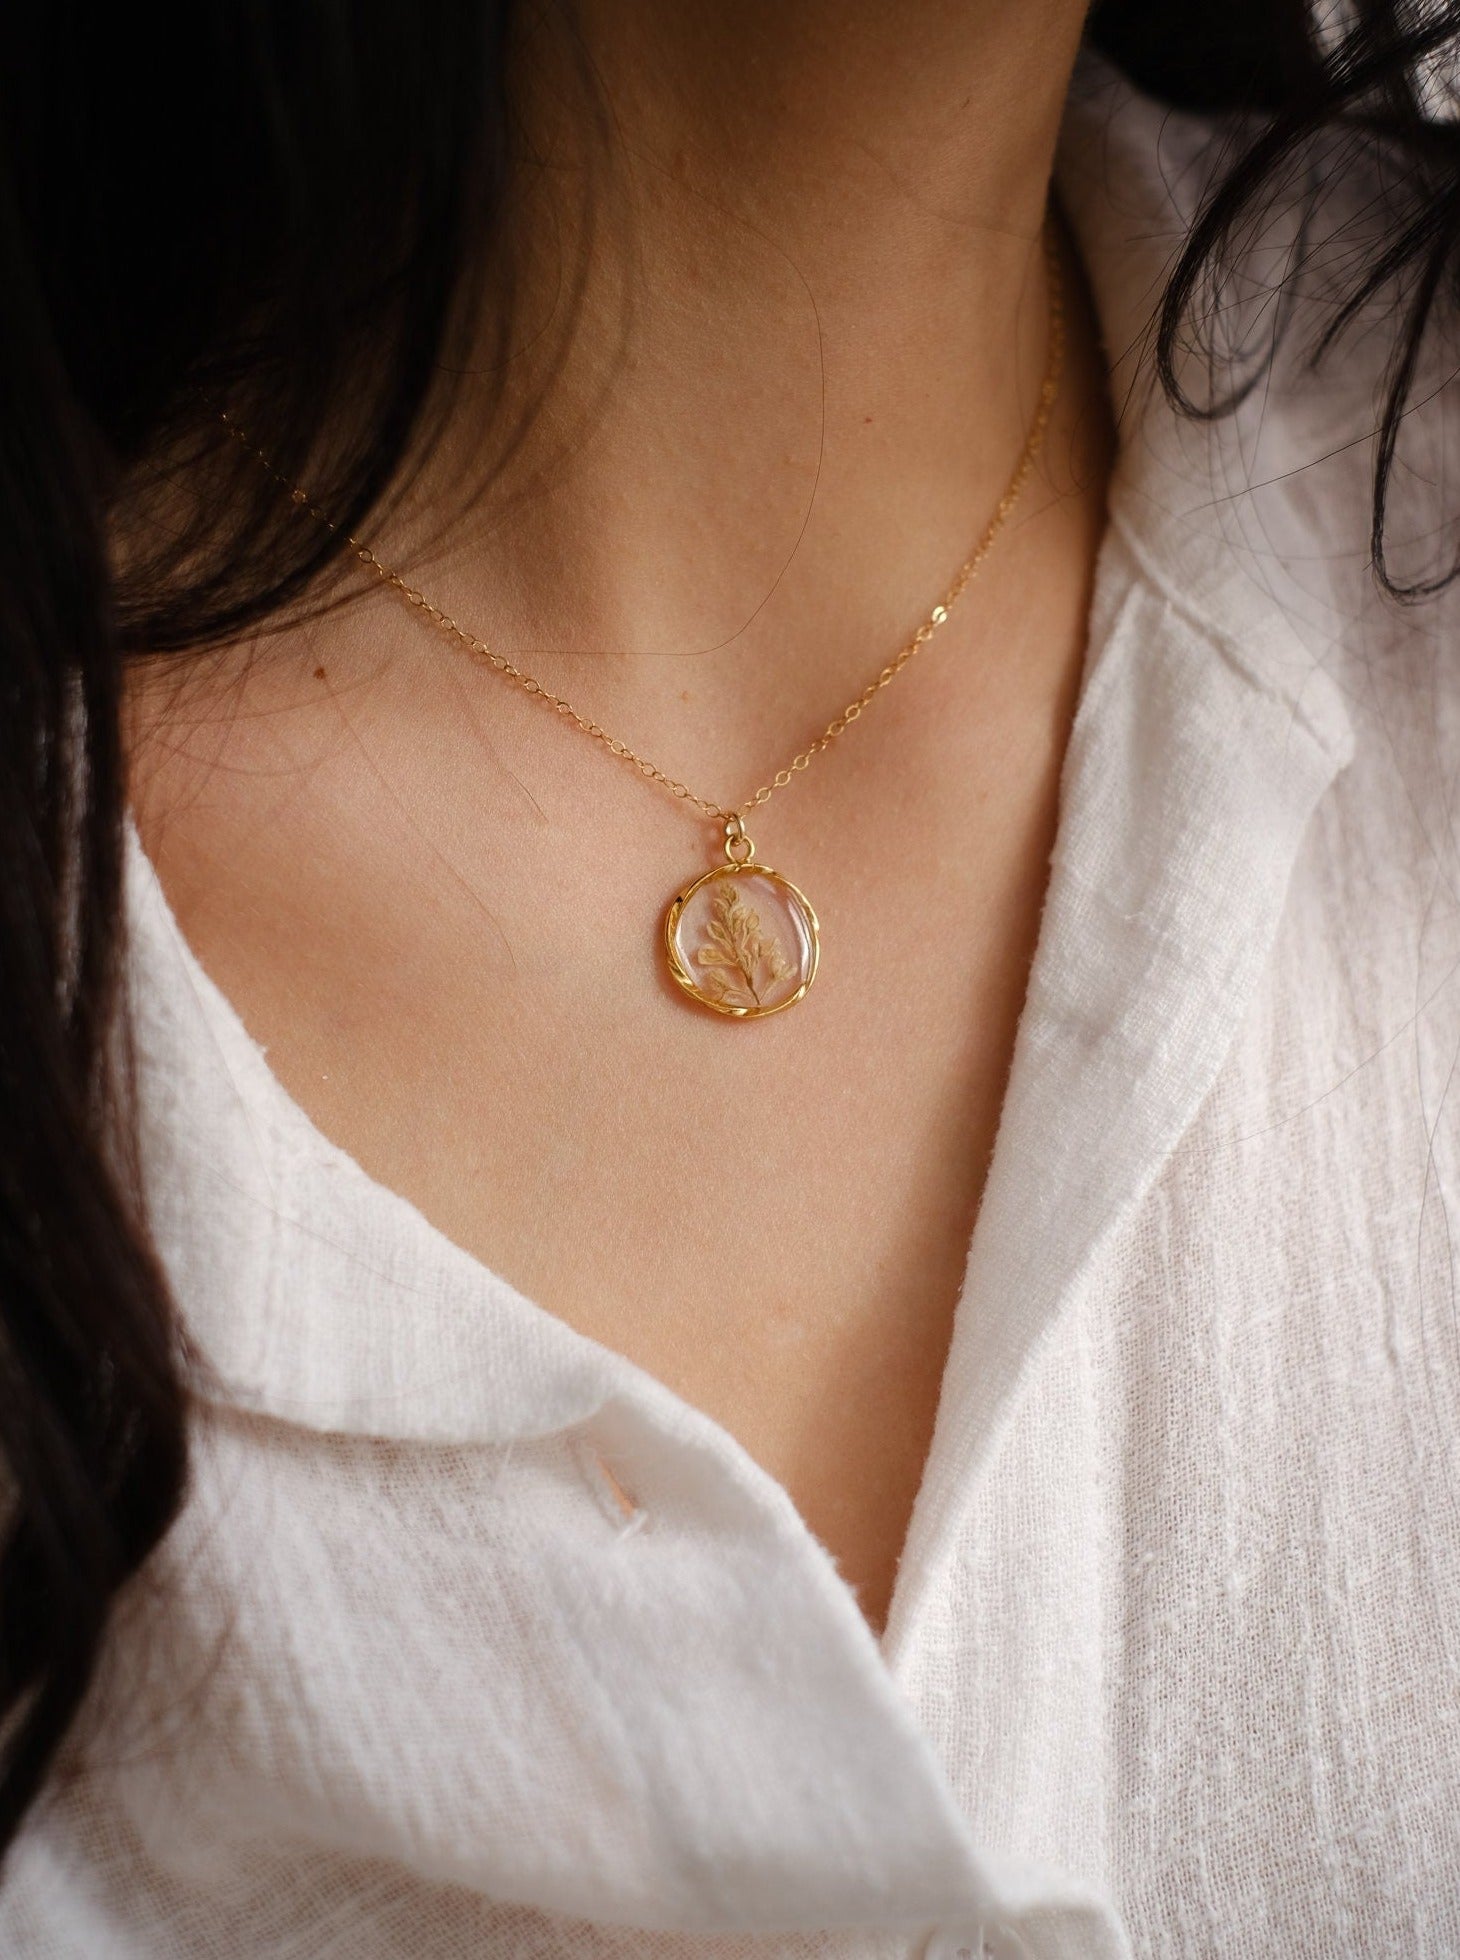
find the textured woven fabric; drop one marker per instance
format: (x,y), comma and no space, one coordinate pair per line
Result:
(1173,1666)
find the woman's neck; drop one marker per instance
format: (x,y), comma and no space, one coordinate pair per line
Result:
(809,330)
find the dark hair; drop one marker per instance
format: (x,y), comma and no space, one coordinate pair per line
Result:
(280,209)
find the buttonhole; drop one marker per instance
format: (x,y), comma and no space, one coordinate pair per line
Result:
(618,1503)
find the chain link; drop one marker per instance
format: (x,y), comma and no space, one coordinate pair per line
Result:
(839,724)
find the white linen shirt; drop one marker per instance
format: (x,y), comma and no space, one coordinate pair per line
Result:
(1173,1663)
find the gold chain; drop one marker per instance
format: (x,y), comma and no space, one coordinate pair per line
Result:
(839,724)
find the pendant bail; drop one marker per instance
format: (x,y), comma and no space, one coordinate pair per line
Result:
(738,847)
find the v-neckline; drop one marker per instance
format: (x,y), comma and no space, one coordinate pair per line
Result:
(1024,1250)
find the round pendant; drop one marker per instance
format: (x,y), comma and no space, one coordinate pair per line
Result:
(742,940)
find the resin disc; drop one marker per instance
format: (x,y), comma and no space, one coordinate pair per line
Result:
(742,940)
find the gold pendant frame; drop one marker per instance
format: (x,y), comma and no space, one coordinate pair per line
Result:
(696,985)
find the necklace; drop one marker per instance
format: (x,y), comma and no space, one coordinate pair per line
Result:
(741,939)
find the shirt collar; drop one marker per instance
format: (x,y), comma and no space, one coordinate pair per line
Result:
(1207,731)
